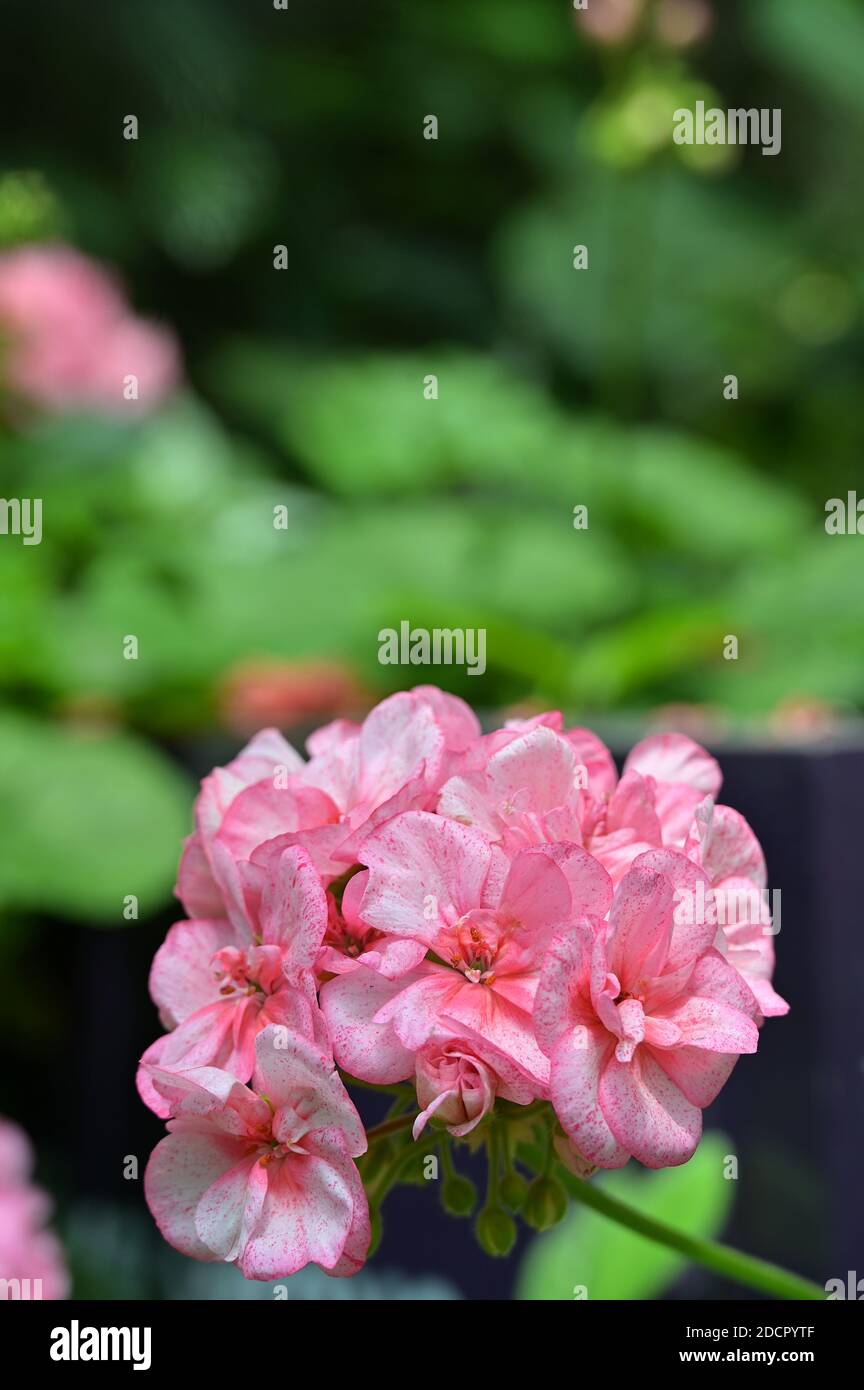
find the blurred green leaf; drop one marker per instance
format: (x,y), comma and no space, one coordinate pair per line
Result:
(87,819)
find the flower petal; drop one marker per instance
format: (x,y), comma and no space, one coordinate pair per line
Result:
(647,1112)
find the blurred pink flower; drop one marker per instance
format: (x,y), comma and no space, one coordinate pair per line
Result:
(610,21)
(68,339)
(29,1254)
(286,692)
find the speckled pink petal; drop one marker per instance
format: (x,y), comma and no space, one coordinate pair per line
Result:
(675,758)
(577,1060)
(699,1075)
(500,1023)
(293,911)
(365,1049)
(306,1217)
(647,1112)
(595,757)
(181,1168)
(640,923)
(561,995)
(306,1093)
(692,931)
(714,1026)
(181,976)
(230,1208)
(424,873)
(732,850)
(221,1035)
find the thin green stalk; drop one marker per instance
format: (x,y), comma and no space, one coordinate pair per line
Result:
(732,1264)
(393,1126)
(493,1164)
(388,1180)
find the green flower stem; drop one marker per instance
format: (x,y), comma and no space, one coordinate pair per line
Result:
(446,1157)
(389,1127)
(379,1189)
(732,1264)
(493,1164)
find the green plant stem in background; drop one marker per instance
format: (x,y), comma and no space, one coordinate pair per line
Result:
(388,1127)
(722,1259)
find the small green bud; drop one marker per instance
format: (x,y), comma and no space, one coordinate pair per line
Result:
(513,1190)
(458,1195)
(545,1204)
(495,1230)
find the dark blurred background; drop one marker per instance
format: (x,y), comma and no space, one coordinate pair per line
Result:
(303,388)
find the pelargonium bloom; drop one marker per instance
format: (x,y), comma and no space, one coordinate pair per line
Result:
(642,1019)
(357,777)
(218,983)
(207,880)
(458,1081)
(484,920)
(262,1176)
(539,783)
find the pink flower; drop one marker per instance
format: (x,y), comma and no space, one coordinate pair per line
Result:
(500,917)
(358,777)
(218,983)
(726,849)
(458,1082)
(486,920)
(642,1019)
(69,339)
(285,692)
(262,1176)
(207,881)
(537,783)
(350,942)
(28,1253)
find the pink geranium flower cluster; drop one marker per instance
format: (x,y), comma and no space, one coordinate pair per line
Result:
(495,917)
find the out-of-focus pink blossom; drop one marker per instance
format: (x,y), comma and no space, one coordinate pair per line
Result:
(31,1259)
(68,339)
(287,692)
(610,21)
